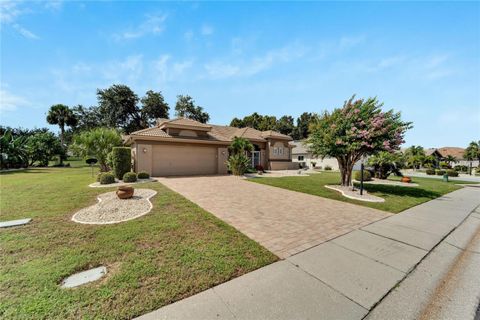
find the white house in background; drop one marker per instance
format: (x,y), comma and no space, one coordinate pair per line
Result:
(302,155)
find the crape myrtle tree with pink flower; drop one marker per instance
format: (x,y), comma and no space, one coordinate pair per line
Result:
(360,128)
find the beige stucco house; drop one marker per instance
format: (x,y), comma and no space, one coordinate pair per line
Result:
(176,147)
(304,157)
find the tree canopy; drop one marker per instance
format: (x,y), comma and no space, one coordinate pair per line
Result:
(62,116)
(358,129)
(284,125)
(472,152)
(97,143)
(186,108)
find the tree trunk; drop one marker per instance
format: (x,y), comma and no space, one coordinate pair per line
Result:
(62,133)
(346,168)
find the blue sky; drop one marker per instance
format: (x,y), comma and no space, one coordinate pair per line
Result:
(420,58)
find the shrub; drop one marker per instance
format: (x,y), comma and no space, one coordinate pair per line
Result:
(238,164)
(440,172)
(430,172)
(452,173)
(328,168)
(121,158)
(98,176)
(107,178)
(143,175)
(366,175)
(461,168)
(129,177)
(444,165)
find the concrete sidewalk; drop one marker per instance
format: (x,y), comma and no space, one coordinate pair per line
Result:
(349,277)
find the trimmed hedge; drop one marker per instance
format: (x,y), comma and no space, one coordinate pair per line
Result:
(121,158)
(430,172)
(107,178)
(461,168)
(143,175)
(129,177)
(367,176)
(452,173)
(440,172)
(328,168)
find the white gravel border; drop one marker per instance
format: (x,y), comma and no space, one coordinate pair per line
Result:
(389,183)
(119,183)
(353,194)
(118,221)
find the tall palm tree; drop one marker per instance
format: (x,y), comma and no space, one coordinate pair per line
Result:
(62,116)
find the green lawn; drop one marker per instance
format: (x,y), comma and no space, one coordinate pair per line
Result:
(397,198)
(174,251)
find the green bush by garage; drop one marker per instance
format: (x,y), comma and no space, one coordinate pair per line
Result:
(130,177)
(121,158)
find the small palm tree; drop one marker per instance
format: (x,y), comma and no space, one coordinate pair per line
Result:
(62,116)
(238,161)
(240,145)
(450,159)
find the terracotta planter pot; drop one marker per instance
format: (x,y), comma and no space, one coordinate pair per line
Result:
(125,192)
(406,179)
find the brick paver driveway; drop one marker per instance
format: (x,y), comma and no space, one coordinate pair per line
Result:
(283,221)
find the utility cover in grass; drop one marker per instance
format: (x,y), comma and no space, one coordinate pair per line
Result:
(84,277)
(14,223)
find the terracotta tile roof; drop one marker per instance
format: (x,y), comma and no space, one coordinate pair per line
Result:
(151,132)
(183,122)
(275,134)
(216,132)
(452,151)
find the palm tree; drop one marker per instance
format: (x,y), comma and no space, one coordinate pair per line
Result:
(472,152)
(450,159)
(240,145)
(62,116)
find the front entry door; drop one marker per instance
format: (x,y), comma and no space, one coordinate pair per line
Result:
(255,158)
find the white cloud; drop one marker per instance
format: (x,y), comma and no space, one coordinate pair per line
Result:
(25,32)
(166,70)
(222,69)
(154,25)
(10,102)
(9,11)
(206,30)
(130,69)
(54,5)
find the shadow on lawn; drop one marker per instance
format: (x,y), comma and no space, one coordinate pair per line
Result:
(29,170)
(401,191)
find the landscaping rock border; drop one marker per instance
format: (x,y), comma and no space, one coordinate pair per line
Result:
(355,194)
(110,209)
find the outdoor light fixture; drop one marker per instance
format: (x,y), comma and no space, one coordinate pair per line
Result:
(144,150)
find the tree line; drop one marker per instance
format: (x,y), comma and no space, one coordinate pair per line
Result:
(285,124)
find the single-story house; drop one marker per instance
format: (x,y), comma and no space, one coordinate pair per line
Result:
(441,153)
(304,157)
(176,147)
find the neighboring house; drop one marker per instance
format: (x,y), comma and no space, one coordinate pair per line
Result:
(441,153)
(176,147)
(302,155)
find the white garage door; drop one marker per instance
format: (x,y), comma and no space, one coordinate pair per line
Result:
(183,160)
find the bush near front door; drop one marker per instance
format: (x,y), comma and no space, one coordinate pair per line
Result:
(121,161)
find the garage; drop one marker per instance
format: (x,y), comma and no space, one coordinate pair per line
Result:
(179,160)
